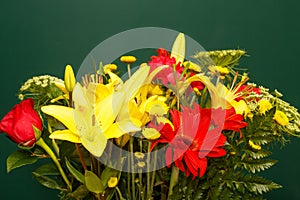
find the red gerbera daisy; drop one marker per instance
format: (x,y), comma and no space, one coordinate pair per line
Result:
(196,135)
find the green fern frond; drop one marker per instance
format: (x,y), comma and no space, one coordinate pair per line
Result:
(254,166)
(225,58)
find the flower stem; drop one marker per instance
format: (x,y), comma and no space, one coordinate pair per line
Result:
(42,144)
(174,180)
(129,71)
(132,168)
(81,156)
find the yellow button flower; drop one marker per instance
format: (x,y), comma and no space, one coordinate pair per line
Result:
(112,182)
(109,68)
(281,118)
(151,133)
(264,105)
(128,59)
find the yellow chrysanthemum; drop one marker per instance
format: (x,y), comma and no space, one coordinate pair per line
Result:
(192,66)
(264,106)
(112,182)
(139,155)
(222,70)
(281,118)
(151,133)
(141,164)
(128,59)
(240,107)
(109,68)
(156,107)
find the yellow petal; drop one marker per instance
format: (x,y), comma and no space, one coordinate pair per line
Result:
(61,86)
(164,121)
(108,109)
(62,113)
(94,141)
(65,135)
(120,128)
(178,48)
(240,107)
(112,182)
(135,82)
(154,72)
(103,91)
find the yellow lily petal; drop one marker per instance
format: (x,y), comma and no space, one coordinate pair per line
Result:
(61,86)
(65,96)
(62,113)
(121,127)
(178,48)
(65,135)
(107,110)
(94,141)
(154,72)
(103,91)
(114,79)
(135,82)
(217,92)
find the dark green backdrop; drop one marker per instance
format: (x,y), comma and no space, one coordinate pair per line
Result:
(42,36)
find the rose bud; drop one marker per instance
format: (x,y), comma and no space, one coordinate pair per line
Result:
(20,122)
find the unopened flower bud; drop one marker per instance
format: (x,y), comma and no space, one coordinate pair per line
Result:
(69,78)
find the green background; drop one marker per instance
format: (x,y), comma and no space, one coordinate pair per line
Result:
(42,36)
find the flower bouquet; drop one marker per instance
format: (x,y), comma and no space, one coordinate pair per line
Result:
(174,128)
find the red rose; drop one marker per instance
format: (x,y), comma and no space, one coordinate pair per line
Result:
(18,123)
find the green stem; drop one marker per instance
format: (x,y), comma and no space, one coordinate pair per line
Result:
(129,71)
(148,171)
(153,173)
(81,157)
(42,144)
(132,169)
(174,179)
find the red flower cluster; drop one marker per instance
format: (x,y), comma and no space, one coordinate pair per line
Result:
(18,123)
(167,75)
(197,134)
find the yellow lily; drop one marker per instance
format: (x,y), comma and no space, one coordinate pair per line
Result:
(98,114)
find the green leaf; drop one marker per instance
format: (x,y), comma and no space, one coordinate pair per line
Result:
(47,169)
(18,159)
(258,165)
(37,132)
(93,183)
(79,176)
(46,181)
(259,185)
(80,193)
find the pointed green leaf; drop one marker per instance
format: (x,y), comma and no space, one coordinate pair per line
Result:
(93,183)
(79,176)
(46,181)
(18,159)
(178,48)
(47,169)
(80,192)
